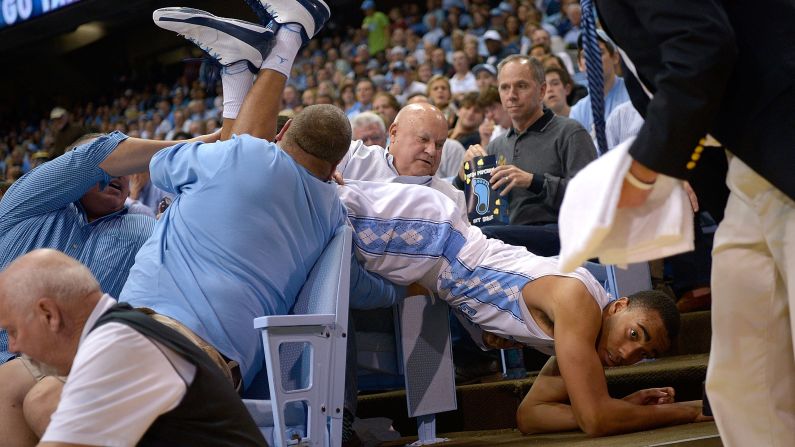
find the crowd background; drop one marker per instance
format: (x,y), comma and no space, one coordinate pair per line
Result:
(397,46)
(377,56)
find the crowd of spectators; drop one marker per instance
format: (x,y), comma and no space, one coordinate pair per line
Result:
(443,50)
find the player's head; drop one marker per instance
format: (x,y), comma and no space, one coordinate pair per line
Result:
(642,325)
(416,139)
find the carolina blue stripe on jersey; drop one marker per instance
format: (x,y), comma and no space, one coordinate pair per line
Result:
(406,237)
(490,286)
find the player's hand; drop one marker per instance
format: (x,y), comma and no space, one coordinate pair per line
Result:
(696,407)
(632,196)
(508,177)
(652,396)
(337,177)
(473,151)
(494,341)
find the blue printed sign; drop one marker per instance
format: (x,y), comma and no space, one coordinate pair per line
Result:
(18,11)
(485,206)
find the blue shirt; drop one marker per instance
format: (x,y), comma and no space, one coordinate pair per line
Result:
(245,229)
(582,113)
(42,210)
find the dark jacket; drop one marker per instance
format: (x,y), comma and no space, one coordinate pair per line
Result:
(721,67)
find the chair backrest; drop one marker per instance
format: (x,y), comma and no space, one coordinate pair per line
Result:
(305,354)
(328,283)
(326,291)
(621,281)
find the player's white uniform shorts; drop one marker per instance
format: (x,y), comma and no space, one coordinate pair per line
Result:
(409,233)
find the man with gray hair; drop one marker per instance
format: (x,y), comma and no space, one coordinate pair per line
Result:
(369,127)
(536,158)
(56,313)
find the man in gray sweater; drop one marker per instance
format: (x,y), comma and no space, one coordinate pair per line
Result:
(536,158)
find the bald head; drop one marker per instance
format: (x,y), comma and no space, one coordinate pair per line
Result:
(416,139)
(45,300)
(421,110)
(47,273)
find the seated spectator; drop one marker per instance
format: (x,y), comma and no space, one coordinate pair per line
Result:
(369,128)
(66,132)
(472,49)
(536,158)
(559,86)
(171,392)
(497,120)
(574,14)
(615,91)
(541,36)
(404,83)
(439,94)
(347,97)
(463,81)
(439,64)
(365,90)
(179,125)
(513,34)
(470,117)
(485,76)
(496,52)
(387,107)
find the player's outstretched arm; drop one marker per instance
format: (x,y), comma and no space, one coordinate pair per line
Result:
(577,325)
(546,406)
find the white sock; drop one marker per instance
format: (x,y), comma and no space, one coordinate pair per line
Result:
(237,80)
(282,56)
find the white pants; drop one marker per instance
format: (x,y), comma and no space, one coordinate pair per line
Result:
(751,375)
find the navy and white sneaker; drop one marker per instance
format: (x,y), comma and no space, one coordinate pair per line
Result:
(223,39)
(311,15)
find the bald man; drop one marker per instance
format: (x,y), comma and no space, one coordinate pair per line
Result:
(417,140)
(56,314)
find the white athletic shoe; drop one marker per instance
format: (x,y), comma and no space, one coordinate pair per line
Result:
(225,40)
(312,15)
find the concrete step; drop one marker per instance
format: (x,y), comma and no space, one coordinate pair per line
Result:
(703,434)
(492,406)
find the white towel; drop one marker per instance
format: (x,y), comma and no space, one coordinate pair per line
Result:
(591,225)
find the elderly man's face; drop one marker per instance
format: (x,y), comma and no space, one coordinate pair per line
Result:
(370,134)
(27,329)
(417,142)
